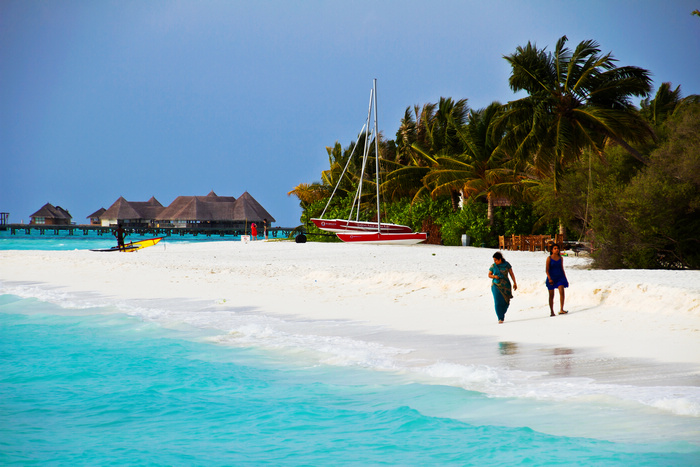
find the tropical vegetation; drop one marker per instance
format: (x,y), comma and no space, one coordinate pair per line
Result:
(574,155)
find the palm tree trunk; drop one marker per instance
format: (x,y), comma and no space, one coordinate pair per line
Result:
(636,154)
(489,215)
(454,194)
(562,230)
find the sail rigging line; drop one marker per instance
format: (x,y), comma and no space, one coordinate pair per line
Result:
(365,155)
(376,153)
(347,164)
(365,129)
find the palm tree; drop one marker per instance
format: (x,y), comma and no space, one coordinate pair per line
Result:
(450,118)
(483,169)
(338,159)
(665,104)
(406,135)
(309,193)
(405,173)
(342,175)
(576,100)
(433,132)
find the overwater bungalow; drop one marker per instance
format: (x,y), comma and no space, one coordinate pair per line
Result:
(95,216)
(213,211)
(190,211)
(131,213)
(51,215)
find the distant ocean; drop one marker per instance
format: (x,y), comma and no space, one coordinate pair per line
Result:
(35,241)
(88,380)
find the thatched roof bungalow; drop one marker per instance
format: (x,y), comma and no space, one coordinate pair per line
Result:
(214,210)
(186,211)
(131,212)
(51,215)
(95,216)
(248,209)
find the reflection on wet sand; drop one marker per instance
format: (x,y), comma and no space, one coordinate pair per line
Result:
(562,365)
(508,348)
(560,362)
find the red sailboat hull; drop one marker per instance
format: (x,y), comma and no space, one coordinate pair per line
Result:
(410,238)
(344,225)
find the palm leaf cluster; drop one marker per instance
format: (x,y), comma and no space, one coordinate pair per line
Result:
(576,100)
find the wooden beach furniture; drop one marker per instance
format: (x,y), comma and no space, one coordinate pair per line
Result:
(517,242)
(527,242)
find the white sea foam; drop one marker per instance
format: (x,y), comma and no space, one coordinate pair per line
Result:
(59,297)
(679,405)
(248,328)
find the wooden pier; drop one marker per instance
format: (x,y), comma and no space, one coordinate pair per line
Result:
(73,229)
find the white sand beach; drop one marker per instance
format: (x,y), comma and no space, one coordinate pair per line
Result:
(419,290)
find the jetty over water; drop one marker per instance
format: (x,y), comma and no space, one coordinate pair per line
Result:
(85,229)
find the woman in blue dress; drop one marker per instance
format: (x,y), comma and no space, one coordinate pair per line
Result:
(500,285)
(556,278)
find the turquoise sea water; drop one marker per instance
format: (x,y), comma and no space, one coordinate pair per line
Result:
(89,387)
(63,241)
(87,380)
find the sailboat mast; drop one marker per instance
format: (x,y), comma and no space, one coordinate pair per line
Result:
(376,156)
(365,153)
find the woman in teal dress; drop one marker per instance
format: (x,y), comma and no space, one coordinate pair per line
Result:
(500,285)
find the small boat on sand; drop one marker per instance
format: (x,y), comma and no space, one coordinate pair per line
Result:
(356,231)
(345,225)
(133,246)
(403,238)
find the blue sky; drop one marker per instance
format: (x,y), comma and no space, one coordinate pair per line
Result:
(166,98)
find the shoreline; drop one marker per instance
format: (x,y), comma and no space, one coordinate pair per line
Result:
(424,290)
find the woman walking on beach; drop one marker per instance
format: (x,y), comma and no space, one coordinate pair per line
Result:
(556,278)
(500,285)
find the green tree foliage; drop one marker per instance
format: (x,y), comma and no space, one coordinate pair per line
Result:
(309,193)
(654,221)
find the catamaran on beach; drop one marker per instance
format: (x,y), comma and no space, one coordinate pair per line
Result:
(356,231)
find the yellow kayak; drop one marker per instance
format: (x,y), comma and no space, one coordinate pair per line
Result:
(143,243)
(134,246)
